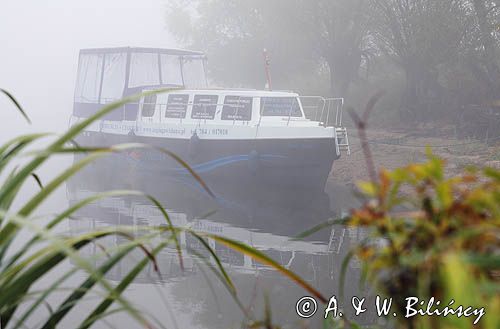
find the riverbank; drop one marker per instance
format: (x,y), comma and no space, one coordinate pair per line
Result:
(399,147)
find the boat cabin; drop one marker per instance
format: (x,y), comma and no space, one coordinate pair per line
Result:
(106,75)
(109,74)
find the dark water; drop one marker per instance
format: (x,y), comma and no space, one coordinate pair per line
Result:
(262,217)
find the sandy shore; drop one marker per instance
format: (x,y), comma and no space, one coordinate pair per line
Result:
(397,148)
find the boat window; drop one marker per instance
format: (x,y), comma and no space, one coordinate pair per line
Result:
(113,83)
(177,106)
(193,70)
(237,108)
(171,73)
(144,70)
(204,106)
(280,106)
(88,82)
(148,106)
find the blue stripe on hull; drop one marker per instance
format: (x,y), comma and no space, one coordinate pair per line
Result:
(214,164)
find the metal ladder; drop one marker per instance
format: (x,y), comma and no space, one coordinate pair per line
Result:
(335,242)
(341,135)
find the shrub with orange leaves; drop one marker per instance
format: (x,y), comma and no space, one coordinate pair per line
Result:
(439,229)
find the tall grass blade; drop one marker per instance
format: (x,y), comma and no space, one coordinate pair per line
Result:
(78,294)
(124,283)
(12,148)
(264,259)
(174,233)
(343,271)
(32,204)
(16,103)
(43,296)
(67,214)
(66,249)
(8,188)
(170,154)
(217,261)
(9,230)
(11,293)
(222,279)
(320,227)
(37,180)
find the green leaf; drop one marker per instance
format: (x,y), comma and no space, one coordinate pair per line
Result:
(64,249)
(124,283)
(368,188)
(8,189)
(13,147)
(85,287)
(217,260)
(264,259)
(16,103)
(321,227)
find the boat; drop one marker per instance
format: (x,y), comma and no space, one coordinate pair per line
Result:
(242,136)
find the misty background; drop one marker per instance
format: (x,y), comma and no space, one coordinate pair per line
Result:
(39,46)
(434,58)
(40,41)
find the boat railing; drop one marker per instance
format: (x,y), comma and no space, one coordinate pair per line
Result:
(327,111)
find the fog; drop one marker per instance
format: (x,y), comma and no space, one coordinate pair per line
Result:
(40,40)
(255,161)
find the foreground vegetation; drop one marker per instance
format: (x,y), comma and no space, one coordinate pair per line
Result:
(431,236)
(446,246)
(43,255)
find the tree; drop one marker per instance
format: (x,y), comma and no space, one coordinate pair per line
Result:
(486,45)
(421,36)
(447,50)
(341,31)
(302,37)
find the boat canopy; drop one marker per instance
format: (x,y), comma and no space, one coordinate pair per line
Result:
(109,74)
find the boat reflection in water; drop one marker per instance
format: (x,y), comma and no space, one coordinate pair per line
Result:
(262,218)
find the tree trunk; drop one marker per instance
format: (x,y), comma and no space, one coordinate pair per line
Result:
(339,85)
(488,43)
(343,70)
(419,95)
